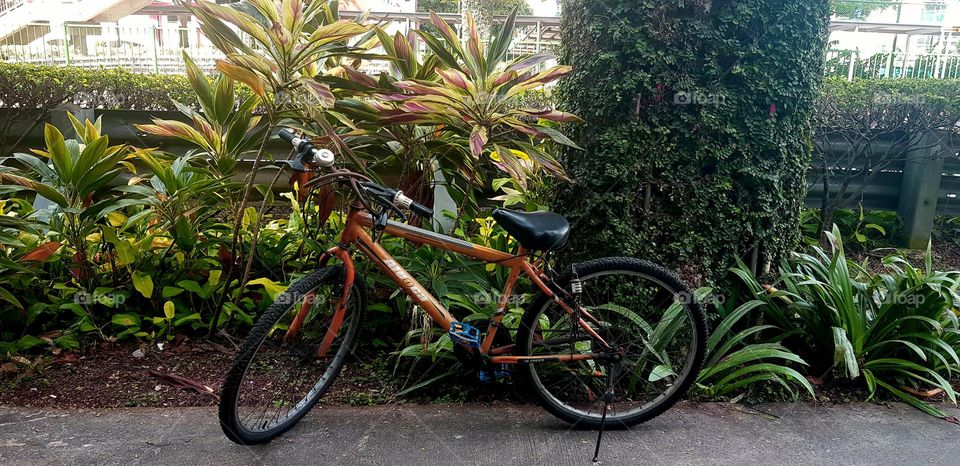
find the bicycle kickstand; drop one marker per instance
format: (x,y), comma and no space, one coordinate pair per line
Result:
(607,399)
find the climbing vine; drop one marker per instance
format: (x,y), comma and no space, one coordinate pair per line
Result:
(696,139)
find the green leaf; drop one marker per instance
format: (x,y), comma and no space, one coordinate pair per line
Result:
(195,317)
(557,136)
(27,341)
(126,320)
(57,151)
(7,296)
(874,226)
(143,283)
(660,372)
(170,291)
(454,370)
(169,310)
(214,277)
(844,354)
(191,286)
(912,400)
(68,342)
(185,234)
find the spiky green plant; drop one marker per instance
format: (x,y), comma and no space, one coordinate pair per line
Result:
(739,357)
(888,330)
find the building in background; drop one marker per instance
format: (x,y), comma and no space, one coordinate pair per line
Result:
(874,38)
(399,6)
(910,26)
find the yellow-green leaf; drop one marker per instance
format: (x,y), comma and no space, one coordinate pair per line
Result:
(214,278)
(143,283)
(243,75)
(273,288)
(169,310)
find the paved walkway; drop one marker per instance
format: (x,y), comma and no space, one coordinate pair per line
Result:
(476,434)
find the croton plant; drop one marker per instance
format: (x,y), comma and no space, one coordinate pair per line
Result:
(445,98)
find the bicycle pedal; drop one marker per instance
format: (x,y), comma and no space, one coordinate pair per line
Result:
(465,334)
(499,375)
(485,377)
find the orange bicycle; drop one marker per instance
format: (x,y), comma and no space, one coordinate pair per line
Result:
(608,341)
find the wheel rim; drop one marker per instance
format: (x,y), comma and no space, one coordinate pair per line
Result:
(285,376)
(649,376)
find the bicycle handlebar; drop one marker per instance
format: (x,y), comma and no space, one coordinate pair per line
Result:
(308,153)
(392,197)
(324,158)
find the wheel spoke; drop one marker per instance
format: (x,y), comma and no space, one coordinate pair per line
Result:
(280,379)
(655,335)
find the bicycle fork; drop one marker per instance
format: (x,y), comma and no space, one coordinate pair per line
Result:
(342,302)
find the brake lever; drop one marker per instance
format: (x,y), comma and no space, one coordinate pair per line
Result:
(387,205)
(294,165)
(380,220)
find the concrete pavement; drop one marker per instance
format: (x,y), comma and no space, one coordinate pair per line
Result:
(436,435)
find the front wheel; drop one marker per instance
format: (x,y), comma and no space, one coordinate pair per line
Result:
(646,314)
(279,373)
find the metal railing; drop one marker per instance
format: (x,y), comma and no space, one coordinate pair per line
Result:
(851,64)
(138,49)
(158,49)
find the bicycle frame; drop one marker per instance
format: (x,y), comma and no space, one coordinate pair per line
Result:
(355,233)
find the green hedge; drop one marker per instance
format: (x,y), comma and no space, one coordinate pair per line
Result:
(694,186)
(37,86)
(939,95)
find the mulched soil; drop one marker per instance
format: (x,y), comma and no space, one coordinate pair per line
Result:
(190,373)
(184,373)
(109,375)
(946,257)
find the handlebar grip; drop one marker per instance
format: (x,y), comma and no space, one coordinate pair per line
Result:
(404,202)
(286,135)
(421,210)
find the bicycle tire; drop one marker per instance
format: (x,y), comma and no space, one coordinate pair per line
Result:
(529,322)
(229,419)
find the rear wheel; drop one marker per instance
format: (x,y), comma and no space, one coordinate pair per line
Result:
(639,308)
(279,376)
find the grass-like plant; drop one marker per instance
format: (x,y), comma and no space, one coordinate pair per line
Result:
(739,357)
(892,331)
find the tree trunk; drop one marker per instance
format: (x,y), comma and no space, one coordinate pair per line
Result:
(481,14)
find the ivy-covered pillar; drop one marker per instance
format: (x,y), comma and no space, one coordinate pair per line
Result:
(697,128)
